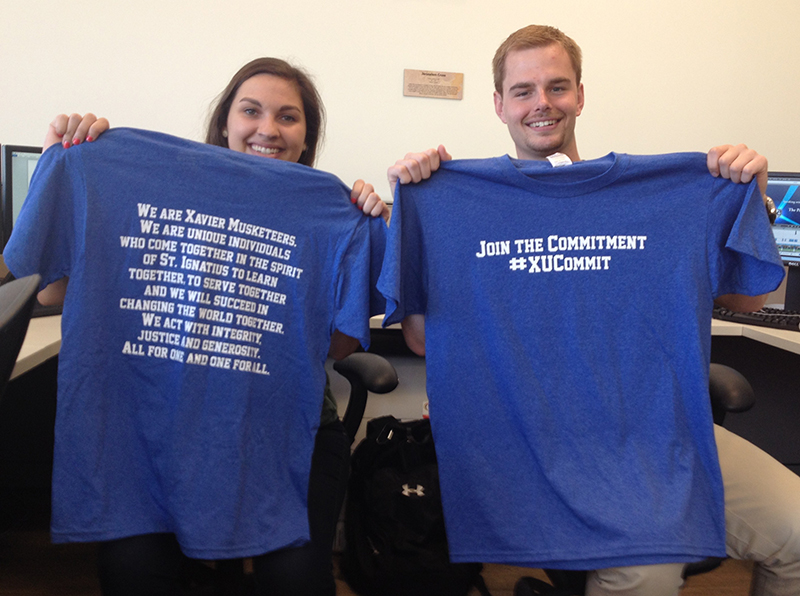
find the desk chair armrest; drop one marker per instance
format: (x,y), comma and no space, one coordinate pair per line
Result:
(365,372)
(729,390)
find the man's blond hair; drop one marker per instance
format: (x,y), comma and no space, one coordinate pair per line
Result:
(534,36)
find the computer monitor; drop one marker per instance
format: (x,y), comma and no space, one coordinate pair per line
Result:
(783,187)
(17,163)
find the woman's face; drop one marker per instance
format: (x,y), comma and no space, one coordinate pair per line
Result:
(267,119)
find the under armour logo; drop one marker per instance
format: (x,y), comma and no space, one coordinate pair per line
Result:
(408,491)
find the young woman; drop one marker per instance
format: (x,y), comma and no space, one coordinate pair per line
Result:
(270,109)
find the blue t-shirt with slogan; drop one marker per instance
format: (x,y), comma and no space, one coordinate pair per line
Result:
(204,287)
(567,321)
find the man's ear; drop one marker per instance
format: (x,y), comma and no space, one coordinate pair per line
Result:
(498,106)
(580,99)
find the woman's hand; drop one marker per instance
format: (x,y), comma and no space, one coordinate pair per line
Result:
(74,130)
(364,196)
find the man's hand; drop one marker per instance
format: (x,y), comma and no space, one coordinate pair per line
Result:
(415,167)
(739,164)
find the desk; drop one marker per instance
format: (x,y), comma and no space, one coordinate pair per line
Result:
(42,342)
(778,338)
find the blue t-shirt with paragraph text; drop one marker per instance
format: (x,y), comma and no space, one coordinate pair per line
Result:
(204,287)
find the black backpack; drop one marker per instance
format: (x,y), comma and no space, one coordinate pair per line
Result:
(394,526)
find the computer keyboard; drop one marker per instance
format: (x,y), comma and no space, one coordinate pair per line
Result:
(766,317)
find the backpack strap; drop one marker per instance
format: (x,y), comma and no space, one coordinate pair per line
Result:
(480,585)
(530,586)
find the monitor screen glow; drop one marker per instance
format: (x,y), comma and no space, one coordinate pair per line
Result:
(18,164)
(782,188)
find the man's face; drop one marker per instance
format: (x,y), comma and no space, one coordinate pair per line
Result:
(540,102)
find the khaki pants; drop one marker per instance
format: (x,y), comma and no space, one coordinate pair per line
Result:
(762,520)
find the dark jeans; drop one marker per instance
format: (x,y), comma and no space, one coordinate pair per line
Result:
(150,564)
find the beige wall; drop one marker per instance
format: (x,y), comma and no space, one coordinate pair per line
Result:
(659,76)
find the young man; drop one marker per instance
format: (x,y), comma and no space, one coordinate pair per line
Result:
(539,96)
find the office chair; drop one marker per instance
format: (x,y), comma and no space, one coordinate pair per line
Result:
(365,372)
(730,392)
(16,306)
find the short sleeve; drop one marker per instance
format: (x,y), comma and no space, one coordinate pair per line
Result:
(403,279)
(43,239)
(354,283)
(377,303)
(744,257)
